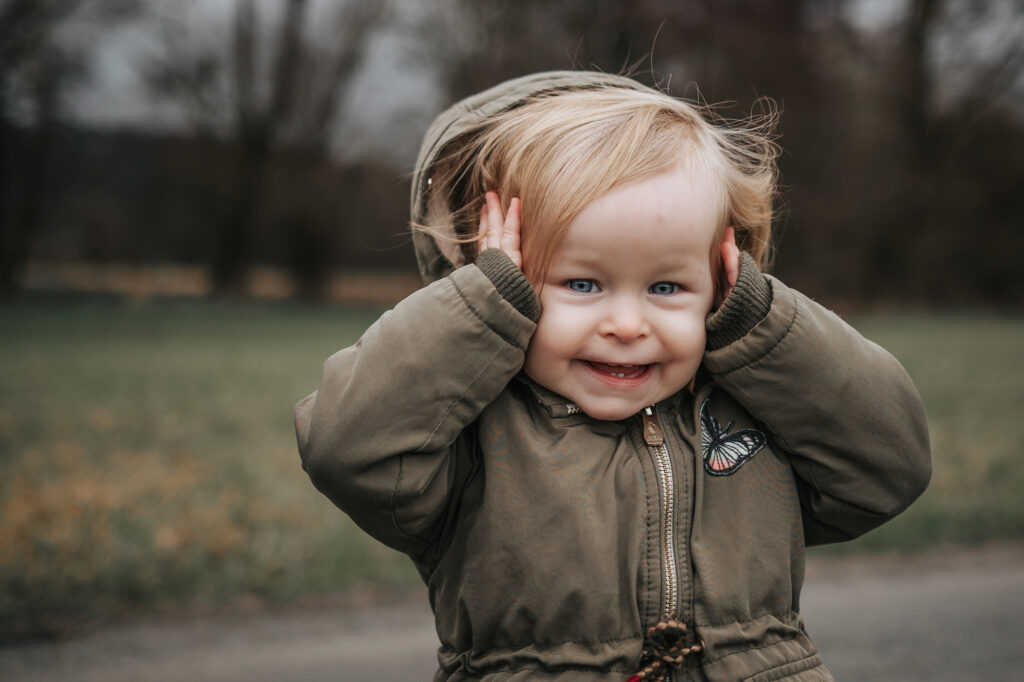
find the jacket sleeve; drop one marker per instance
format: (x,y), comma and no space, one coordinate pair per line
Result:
(380,437)
(842,408)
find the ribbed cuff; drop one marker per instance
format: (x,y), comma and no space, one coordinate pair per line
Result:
(747,304)
(510,282)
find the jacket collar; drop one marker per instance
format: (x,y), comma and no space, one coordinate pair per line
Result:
(559,406)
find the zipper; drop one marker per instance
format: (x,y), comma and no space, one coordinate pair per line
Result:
(655,439)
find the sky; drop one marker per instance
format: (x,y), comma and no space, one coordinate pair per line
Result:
(392,98)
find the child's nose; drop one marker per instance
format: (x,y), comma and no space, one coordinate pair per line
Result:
(625,321)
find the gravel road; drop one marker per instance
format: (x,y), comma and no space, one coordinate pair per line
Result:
(950,615)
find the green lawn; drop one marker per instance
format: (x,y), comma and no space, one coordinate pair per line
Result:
(147,457)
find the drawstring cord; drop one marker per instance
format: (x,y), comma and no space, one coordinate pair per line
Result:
(665,651)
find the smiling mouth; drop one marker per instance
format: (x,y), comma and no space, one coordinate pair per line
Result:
(616,371)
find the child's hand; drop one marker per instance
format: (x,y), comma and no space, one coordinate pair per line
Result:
(730,266)
(499,231)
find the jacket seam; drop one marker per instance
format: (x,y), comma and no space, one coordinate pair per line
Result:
(709,660)
(782,615)
(401,459)
(396,491)
(462,655)
(451,406)
(611,640)
(833,519)
(549,669)
(394,507)
(473,383)
(564,668)
(482,320)
(785,664)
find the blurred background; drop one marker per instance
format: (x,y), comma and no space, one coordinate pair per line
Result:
(201,200)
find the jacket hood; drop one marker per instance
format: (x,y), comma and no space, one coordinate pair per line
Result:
(438,260)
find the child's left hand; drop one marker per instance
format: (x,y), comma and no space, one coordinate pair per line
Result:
(730,266)
(499,231)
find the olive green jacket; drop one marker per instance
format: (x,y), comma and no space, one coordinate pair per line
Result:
(549,541)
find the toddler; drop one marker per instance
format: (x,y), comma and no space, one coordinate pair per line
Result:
(601,433)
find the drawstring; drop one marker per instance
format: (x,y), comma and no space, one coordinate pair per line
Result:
(664,652)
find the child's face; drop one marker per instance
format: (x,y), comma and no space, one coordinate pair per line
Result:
(626,295)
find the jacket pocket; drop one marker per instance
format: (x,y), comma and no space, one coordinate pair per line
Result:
(810,669)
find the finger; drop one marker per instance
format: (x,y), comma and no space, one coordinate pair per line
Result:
(481,235)
(731,261)
(730,266)
(511,231)
(495,220)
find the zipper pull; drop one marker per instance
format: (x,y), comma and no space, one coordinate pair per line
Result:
(652,429)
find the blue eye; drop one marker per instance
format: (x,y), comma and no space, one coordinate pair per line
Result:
(664,288)
(583,286)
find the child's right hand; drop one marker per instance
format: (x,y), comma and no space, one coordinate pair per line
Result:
(499,231)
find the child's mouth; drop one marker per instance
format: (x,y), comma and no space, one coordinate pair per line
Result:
(618,371)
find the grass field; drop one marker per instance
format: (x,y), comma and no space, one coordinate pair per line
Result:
(147,459)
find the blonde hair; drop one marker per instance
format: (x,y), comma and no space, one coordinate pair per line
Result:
(560,151)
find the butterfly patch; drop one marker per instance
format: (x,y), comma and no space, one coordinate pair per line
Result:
(726,452)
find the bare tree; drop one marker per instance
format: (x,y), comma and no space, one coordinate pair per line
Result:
(282,87)
(35,66)
(944,82)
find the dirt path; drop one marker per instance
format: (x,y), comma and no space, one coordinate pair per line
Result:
(951,615)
